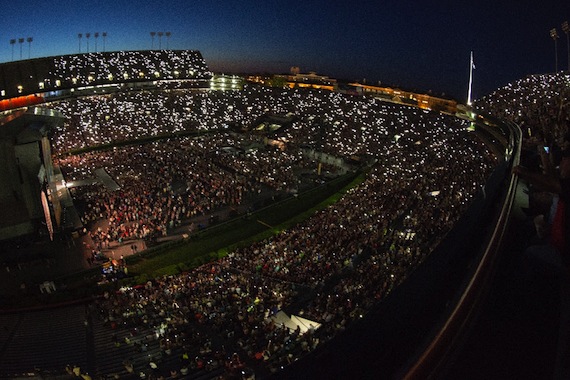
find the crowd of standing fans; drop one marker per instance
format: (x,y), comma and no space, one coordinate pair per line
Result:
(426,168)
(540,105)
(165,183)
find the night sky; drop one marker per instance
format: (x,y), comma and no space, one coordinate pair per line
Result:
(401,43)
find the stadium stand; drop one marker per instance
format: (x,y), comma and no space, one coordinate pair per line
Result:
(56,76)
(425,172)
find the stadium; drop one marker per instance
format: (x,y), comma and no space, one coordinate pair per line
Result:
(178,224)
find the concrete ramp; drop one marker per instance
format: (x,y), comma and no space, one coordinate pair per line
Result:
(105,179)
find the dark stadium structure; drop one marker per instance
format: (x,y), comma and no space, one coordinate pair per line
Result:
(412,333)
(26,170)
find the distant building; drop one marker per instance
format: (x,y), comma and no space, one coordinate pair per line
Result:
(260,79)
(310,80)
(405,97)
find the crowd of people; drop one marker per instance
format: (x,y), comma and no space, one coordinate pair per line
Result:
(111,67)
(427,168)
(538,104)
(332,122)
(49,78)
(169,174)
(169,182)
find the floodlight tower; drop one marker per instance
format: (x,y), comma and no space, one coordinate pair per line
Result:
(167,34)
(566,30)
(104,34)
(554,35)
(21,42)
(29,40)
(96,35)
(13,42)
(80,35)
(160,34)
(87,35)
(152,34)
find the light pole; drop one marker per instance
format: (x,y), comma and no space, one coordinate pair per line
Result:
(566,30)
(13,42)
(87,35)
(104,34)
(80,35)
(160,34)
(21,42)
(29,40)
(152,34)
(96,35)
(167,34)
(554,35)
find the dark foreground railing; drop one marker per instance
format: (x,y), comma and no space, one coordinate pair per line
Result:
(449,334)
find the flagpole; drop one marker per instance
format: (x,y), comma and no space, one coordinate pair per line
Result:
(470,79)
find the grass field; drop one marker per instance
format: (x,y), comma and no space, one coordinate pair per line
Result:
(216,241)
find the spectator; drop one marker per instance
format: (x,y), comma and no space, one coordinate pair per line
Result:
(557,249)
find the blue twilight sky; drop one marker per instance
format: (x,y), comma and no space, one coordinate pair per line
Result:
(411,44)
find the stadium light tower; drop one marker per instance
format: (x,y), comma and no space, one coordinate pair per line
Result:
(13,42)
(167,34)
(566,30)
(96,35)
(152,34)
(554,35)
(87,35)
(29,40)
(104,34)
(160,34)
(80,35)
(21,42)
